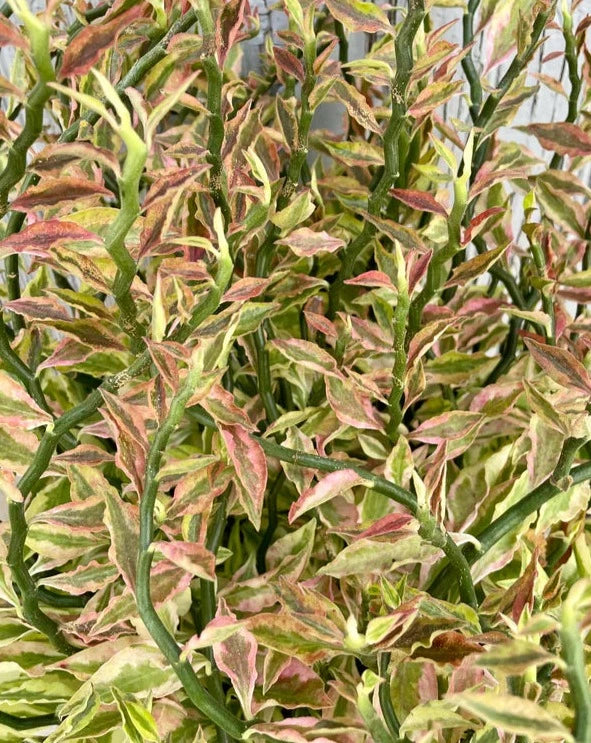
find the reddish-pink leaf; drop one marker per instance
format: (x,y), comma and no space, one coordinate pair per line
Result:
(447,427)
(39,308)
(236,657)
(350,406)
(221,405)
(190,556)
(433,96)
(54,157)
(358,15)
(329,487)
(87,46)
(52,191)
(289,63)
(247,288)
(17,408)
(561,137)
(128,426)
(372,279)
(478,221)
(68,352)
(250,464)
(388,524)
(420,200)
(36,239)
(10,35)
(416,267)
(306,243)
(321,324)
(229,23)
(307,355)
(561,365)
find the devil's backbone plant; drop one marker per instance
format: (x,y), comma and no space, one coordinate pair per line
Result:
(294,422)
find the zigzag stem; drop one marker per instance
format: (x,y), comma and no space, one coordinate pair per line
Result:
(516,514)
(436,276)
(299,151)
(129,187)
(404,63)
(137,72)
(32,596)
(573,653)
(215,140)
(211,707)
(468,62)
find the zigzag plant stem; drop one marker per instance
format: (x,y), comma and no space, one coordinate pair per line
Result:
(517,513)
(404,64)
(31,595)
(263,258)
(215,78)
(436,276)
(211,707)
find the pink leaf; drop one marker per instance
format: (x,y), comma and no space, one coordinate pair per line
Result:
(236,657)
(250,464)
(420,200)
(190,556)
(561,365)
(329,487)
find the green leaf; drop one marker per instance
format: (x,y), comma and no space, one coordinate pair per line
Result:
(513,715)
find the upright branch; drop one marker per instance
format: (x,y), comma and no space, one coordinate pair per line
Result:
(403,45)
(129,190)
(468,65)
(16,159)
(299,152)
(463,211)
(211,707)
(215,79)
(400,356)
(573,653)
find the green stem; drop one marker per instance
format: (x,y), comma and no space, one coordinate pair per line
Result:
(129,189)
(299,152)
(385,697)
(202,699)
(514,516)
(215,78)
(207,606)
(468,61)
(547,304)
(428,527)
(570,53)
(399,367)
(27,723)
(267,539)
(573,653)
(26,585)
(404,64)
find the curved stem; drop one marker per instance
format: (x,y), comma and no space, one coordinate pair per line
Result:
(573,653)
(202,699)
(404,63)
(514,516)
(215,78)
